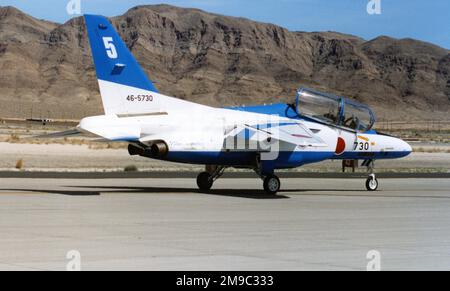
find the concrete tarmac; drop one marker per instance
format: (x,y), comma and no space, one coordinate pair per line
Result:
(166,224)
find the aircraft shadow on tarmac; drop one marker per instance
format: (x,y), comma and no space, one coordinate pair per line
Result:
(238,193)
(250,194)
(246,193)
(59,192)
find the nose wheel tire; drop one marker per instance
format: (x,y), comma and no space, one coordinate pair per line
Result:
(272,184)
(372,183)
(205,181)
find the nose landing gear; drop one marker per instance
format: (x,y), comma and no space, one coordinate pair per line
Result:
(371,182)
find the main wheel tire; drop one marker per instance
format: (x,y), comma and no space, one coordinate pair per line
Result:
(272,184)
(372,184)
(204,181)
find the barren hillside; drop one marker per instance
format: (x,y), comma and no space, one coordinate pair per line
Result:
(46,68)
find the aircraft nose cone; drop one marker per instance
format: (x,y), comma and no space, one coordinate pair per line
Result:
(405,148)
(408,148)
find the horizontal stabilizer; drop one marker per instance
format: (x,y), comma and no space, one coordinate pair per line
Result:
(60,134)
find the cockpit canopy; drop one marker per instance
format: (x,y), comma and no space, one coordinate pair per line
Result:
(331,109)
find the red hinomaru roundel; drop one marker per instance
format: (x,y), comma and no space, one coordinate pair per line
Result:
(340,147)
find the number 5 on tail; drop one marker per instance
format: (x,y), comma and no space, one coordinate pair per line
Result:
(111,50)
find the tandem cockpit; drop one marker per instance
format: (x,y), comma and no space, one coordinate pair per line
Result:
(334,110)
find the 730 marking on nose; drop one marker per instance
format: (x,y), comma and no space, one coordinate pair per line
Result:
(361,146)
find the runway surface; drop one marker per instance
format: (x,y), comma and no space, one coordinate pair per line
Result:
(166,224)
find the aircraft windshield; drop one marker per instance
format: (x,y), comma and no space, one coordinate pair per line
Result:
(357,116)
(334,110)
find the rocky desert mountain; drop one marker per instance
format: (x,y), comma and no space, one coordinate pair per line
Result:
(46,68)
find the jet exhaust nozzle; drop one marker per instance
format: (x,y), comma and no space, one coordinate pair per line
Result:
(159,149)
(156,150)
(135,150)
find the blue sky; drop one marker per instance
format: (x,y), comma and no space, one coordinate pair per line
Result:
(419,19)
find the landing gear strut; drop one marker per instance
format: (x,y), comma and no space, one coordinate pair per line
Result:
(371,182)
(205,180)
(271,183)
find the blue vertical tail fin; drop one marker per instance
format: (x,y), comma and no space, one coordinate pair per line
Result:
(118,73)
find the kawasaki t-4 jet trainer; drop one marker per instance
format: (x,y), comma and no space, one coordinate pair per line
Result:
(314,128)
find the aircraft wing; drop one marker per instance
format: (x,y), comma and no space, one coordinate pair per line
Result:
(289,135)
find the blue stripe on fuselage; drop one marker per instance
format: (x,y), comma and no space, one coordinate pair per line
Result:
(372,155)
(280,109)
(285,159)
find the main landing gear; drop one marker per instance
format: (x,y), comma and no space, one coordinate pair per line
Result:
(265,171)
(371,182)
(272,184)
(205,180)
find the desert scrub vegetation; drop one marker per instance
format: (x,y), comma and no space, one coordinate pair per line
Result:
(130,168)
(20,164)
(107,145)
(13,138)
(431,150)
(92,144)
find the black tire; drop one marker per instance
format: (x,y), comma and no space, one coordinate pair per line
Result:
(204,181)
(372,184)
(272,184)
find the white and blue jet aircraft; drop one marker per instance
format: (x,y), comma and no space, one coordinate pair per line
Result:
(316,127)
